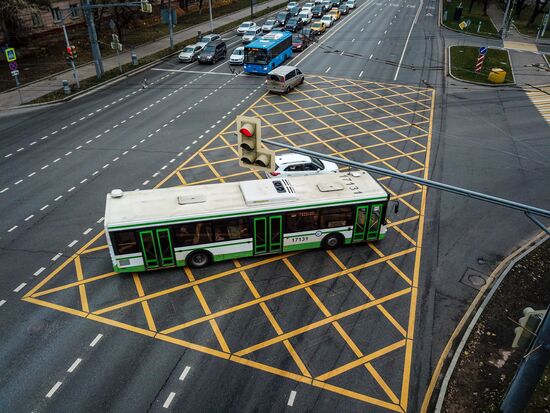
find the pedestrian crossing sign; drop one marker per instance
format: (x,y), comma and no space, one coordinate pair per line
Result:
(10,55)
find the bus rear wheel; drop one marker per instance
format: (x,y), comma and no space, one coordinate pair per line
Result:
(199,259)
(332,241)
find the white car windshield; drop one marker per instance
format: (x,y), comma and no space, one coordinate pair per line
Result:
(238,52)
(246,25)
(189,49)
(250,32)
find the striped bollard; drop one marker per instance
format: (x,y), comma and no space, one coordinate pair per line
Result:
(480,59)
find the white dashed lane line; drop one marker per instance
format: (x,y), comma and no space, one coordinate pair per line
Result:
(74,365)
(2,302)
(19,287)
(169,399)
(184,373)
(291,398)
(96,340)
(53,389)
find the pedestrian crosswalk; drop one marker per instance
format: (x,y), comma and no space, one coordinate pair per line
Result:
(540,96)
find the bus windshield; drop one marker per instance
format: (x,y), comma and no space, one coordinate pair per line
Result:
(257,56)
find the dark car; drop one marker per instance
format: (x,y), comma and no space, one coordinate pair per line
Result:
(295,11)
(308,33)
(282,17)
(294,24)
(318,11)
(343,9)
(299,42)
(336,3)
(213,51)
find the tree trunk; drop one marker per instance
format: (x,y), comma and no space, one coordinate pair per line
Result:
(485,5)
(471,6)
(539,8)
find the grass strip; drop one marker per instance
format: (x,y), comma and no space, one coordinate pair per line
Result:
(476,18)
(464,59)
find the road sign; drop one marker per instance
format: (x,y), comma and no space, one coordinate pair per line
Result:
(15,73)
(13,65)
(10,54)
(483,51)
(462,25)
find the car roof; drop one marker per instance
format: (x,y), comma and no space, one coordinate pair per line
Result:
(247,23)
(287,158)
(282,70)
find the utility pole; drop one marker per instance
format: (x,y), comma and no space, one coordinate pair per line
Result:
(211,22)
(251,9)
(504,28)
(530,370)
(170,24)
(96,52)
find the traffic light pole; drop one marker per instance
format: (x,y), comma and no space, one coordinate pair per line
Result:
(170,24)
(528,210)
(530,371)
(96,52)
(75,72)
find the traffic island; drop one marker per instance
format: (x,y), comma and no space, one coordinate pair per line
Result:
(464,59)
(488,361)
(456,15)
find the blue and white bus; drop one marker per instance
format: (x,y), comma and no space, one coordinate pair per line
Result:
(268,52)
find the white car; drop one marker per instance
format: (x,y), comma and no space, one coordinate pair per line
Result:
(291,5)
(245,26)
(252,34)
(306,16)
(327,20)
(208,38)
(237,57)
(293,164)
(309,5)
(350,4)
(189,53)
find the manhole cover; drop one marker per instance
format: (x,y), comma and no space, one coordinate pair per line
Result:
(474,279)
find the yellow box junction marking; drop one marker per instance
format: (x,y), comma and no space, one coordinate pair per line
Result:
(384,124)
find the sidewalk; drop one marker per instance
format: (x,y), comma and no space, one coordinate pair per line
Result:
(42,87)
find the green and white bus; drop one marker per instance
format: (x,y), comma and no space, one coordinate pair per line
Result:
(197,225)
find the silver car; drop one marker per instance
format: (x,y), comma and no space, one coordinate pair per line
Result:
(270,24)
(208,38)
(237,57)
(190,53)
(252,34)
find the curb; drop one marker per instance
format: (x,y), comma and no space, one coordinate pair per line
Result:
(479,83)
(130,73)
(497,279)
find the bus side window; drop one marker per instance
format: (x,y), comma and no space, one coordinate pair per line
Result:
(184,234)
(374,219)
(231,229)
(125,242)
(302,221)
(336,217)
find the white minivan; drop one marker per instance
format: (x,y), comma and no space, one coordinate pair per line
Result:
(284,78)
(306,16)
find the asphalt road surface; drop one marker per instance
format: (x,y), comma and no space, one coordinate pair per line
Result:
(58,163)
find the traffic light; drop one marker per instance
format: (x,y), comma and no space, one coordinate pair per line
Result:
(252,154)
(146,7)
(74,53)
(70,53)
(529,324)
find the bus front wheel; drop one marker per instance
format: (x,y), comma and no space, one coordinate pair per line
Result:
(199,259)
(332,241)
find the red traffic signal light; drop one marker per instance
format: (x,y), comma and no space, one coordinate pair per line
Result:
(248,129)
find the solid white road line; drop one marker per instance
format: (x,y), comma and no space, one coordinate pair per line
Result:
(95,340)
(74,365)
(53,389)
(408,37)
(169,399)
(184,373)
(291,398)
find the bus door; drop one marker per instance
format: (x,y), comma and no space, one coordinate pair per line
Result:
(156,247)
(367,222)
(268,234)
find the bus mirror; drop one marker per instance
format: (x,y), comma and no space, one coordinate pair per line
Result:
(396,207)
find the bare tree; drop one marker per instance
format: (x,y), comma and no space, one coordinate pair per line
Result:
(540,5)
(10,17)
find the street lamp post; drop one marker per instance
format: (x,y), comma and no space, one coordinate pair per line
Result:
(211,22)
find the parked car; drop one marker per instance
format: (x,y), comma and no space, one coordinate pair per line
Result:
(282,17)
(213,51)
(237,57)
(351,4)
(252,34)
(293,164)
(335,13)
(318,27)
(245,26)
(189,53)
(327,19)
(299,42)
(270,24)
(291,5)
(283,79)
(343,9)
(207,39)
(295,24)
(318,11)
(295,11)
(305,16)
